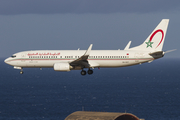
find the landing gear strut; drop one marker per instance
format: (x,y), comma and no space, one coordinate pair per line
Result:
(21,72)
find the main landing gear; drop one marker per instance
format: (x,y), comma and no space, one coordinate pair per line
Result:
(83,72)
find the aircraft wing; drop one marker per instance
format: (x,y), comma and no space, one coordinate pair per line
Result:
(82,61)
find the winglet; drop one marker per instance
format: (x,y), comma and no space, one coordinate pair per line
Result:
(127,46)
(88,50)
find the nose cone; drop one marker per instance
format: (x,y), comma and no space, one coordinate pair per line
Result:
(6,61)
(10,61)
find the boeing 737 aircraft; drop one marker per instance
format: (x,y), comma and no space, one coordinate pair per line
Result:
(66,60)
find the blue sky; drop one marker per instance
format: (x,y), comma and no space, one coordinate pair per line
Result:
(73,24)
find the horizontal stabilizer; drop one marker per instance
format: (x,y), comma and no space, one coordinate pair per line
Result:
(150,61)
(161,52)
(170,51)
(157,53)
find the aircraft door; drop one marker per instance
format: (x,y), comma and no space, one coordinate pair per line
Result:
(23,59)
(136,56)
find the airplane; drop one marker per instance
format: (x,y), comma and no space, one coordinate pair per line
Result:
(66,60)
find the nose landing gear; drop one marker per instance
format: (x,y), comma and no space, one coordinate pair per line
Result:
(21,72)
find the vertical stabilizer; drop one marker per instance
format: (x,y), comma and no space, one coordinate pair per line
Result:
(155,40)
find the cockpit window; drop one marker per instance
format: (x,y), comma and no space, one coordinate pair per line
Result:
(13,56)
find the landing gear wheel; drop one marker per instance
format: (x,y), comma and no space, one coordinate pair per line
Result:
(83,72)
(21,72)
(90,72)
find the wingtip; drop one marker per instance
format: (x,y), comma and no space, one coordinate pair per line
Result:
(91,46)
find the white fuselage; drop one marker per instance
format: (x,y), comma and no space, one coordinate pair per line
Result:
(66,60)
(97,58)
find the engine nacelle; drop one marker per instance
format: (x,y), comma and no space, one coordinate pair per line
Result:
(62,67)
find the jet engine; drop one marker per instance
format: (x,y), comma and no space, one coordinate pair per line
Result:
(62,67)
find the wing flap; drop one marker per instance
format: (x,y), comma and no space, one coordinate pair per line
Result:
(93,64)
(82,61)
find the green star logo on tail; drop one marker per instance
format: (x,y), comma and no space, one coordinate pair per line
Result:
(149,44)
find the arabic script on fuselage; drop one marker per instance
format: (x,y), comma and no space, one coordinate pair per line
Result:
(32,54)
